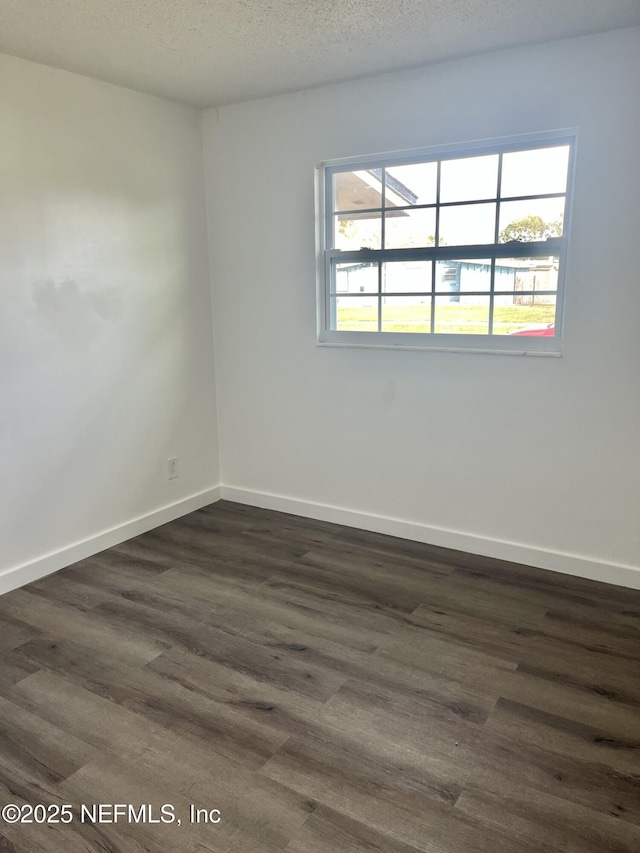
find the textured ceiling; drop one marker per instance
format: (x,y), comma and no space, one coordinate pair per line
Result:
(212,52)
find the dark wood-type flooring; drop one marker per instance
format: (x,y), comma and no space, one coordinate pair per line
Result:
(328,690)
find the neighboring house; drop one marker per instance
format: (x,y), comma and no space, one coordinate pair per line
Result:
(363,189)
(461,279)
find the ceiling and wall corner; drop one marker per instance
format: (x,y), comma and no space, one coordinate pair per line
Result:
(211,53)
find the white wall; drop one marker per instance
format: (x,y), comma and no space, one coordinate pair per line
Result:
(538,452)
(106,344)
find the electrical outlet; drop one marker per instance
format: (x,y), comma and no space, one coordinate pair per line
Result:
(172,468)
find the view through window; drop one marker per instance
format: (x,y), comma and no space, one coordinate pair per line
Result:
(467,243)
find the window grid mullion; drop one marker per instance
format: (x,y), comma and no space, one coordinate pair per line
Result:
(438,174)
(383,216)
(434,263)
(329,219)
(498,200)
(492,294)
(331,305)
(380,296)
(555,247)
(409,293)
(496,239)
(466,202)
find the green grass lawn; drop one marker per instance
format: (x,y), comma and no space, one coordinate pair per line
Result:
(451,318)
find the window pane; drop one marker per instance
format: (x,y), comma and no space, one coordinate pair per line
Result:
(360,189)
(469,179)
(456,277)
(535,172)
(414,184)
(410,228)
(357,233)
(528,315)
(467,224)
(531,221)
(469,316)
(406,314)
(524,309)
(407,277)
(518,275)
(353,314)
(356,278)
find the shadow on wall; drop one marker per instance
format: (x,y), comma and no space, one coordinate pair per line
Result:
(74,314)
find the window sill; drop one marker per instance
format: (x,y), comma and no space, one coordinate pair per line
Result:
(478,344)
(475,350)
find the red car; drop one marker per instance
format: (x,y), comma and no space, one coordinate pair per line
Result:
(538,331)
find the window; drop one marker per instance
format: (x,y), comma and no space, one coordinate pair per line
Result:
(462,248)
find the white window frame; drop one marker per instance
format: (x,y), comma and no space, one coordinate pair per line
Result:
(328,257)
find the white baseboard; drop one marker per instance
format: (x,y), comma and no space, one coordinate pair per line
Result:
(570,564)
(45,565)
(555,561)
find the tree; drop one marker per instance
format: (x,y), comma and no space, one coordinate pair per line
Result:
(529,229)
(347,227)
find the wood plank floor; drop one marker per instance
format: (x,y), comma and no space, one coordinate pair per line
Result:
(326,689)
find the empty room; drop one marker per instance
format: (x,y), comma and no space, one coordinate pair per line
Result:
(320,487)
